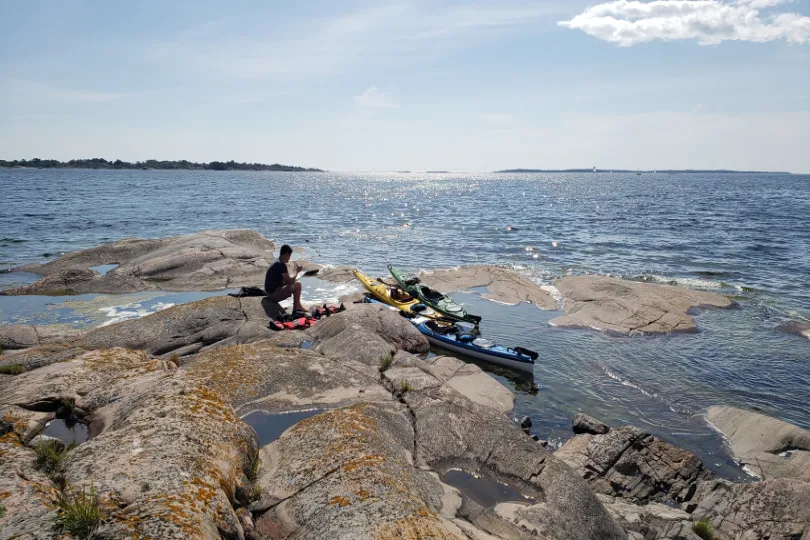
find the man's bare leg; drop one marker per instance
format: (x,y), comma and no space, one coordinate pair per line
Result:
(297,297)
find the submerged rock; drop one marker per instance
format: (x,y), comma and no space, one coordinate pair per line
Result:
(338,274)
(588,424)
(767,447)
(208,260)
(795,327)
(503,285)
(627,307)
(628,463)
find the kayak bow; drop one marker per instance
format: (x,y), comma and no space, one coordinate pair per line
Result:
(433,298)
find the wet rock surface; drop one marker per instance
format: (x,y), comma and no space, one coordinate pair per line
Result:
(767,447)
(627,307)
(208,260)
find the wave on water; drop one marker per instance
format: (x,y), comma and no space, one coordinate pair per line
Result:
(625,382)
(133,310)
(650,394)
(686,282)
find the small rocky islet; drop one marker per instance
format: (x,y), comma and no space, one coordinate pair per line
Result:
(163,400)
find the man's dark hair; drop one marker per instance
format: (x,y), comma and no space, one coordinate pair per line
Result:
(284,250)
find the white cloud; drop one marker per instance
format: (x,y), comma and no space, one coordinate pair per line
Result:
(374,99)
(710,22)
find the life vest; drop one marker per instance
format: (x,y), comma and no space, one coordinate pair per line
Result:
(289,321)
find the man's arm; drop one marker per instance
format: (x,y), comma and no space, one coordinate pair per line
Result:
(290,279)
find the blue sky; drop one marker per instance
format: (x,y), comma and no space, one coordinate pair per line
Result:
(411,85)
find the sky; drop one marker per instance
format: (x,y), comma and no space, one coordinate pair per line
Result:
(460,86)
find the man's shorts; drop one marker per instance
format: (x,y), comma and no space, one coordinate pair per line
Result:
(282,293)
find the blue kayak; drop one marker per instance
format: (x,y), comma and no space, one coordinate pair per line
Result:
(455,338)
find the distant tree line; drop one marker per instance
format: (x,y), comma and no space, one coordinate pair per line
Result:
(661,171)
(101,163)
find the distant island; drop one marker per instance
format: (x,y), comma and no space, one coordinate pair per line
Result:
(101,163)
(658,171)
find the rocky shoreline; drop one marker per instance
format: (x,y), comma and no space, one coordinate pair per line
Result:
(168,401)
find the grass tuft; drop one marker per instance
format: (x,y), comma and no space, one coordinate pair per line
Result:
(385,362)
(79,512)
(254,491)
(703,529)
(50,455)
(254,467)
(405,386)
(2,511)
(12,369)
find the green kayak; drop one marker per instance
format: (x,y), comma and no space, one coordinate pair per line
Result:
(433,298)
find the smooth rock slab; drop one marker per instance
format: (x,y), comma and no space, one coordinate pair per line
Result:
(769,448)
(23,336)
(263,376)
(470,381)
(188,328)
(204,261)
(503,285)
(348,474)
(43,355)
(626,307)
(361,336)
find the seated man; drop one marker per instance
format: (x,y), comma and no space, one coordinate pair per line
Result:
(279,284)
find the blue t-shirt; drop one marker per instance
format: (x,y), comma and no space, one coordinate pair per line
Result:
(273,279)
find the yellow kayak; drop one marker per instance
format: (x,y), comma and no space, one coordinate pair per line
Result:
(391,295)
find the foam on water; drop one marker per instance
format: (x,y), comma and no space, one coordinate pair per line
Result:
(133,310)
(625,382)
(687,282)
